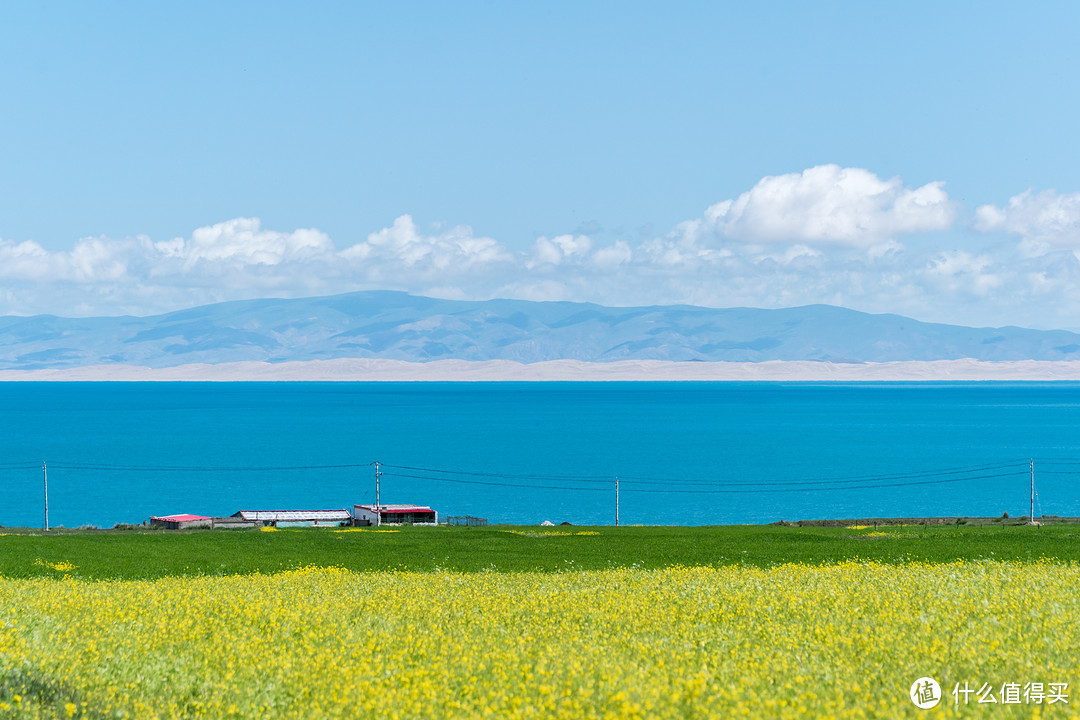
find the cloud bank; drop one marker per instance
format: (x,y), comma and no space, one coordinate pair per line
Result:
(1044,217)
(831,204)
(841,236)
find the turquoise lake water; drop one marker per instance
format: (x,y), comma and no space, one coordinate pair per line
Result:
(685,453)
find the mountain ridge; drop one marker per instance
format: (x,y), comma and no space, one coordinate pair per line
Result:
(398,326)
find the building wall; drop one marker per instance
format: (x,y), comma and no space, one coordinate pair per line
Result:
(185,524)
(431,518)
(362,516)
(230,523)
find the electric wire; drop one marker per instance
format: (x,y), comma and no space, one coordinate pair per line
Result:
(594,483)
(832,481)
(199,468)
(762,488)
(605,478)
(497,484)
(645,480)
(814,489)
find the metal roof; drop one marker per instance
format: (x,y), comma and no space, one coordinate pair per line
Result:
(180,518)
(397,508)
(294,515)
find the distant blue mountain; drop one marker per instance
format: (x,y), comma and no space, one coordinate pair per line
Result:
(399,326)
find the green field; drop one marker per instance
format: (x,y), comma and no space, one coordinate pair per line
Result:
(147,555)
(528,622)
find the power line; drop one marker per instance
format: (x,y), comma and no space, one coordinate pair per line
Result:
(201,468)
(849,479)
(604,478)
(20,466)
(586,483)
(813,489)
(496,484)
(744,488)
(645,480)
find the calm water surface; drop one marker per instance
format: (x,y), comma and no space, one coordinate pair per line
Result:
(685,453)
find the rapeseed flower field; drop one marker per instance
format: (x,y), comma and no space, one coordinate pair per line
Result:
(844,640)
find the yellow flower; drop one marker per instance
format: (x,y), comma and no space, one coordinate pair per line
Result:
(844,640)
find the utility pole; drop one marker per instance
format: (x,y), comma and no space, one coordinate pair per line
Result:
(1031,514)
(378,507)
(616,501)
(45,477)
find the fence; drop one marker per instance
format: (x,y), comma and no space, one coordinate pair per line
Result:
(467,520)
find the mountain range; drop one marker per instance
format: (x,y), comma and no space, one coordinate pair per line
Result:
(399,326)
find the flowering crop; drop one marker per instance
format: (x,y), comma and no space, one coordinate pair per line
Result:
(842,640)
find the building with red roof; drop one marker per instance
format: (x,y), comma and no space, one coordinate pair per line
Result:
(181,522)
(394,515)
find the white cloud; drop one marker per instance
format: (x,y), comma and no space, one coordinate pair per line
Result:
(402,244)
(956,262)
(612,256)
(242,241)
(90,260)
(684,245)
(826,235)
(1043,218)
(831,204)
(238,259)
(960,273)
(23,261)
(558,249)
(793,254)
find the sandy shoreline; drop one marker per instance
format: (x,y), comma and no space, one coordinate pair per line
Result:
(354,369)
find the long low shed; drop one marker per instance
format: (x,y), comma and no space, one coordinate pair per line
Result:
(296,518)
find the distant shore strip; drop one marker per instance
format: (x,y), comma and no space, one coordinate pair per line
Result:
(383,370)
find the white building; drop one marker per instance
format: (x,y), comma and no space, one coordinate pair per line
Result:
(296,518)
(394,515)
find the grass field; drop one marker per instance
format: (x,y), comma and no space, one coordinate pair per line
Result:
(137,555)
(500,622)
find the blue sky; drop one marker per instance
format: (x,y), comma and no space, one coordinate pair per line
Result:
(918,158)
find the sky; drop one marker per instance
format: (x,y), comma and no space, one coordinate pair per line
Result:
(917,158)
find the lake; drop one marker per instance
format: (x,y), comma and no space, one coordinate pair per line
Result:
(684,452)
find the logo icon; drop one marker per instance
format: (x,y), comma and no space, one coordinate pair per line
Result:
(925,693)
